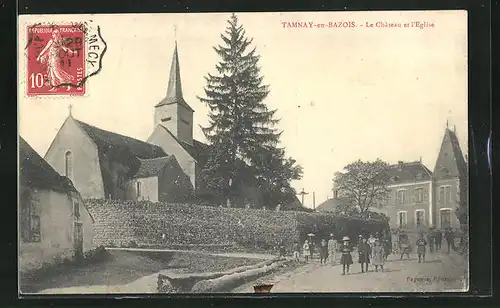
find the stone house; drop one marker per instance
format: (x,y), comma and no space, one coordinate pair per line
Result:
(53,220)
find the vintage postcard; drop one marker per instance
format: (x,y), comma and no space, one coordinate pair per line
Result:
(243,153)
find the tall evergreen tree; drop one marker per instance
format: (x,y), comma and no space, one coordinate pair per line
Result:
(241,128)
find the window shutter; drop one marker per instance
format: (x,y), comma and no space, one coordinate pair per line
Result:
(396,201)
(426,194)
(414,196)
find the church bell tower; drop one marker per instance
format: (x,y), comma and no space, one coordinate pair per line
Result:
(173,112)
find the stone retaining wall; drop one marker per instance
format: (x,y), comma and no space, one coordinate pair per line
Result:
(120,223)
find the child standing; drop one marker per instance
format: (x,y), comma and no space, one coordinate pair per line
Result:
(378,256)
(364,251)
(305,251)
(346,259)
(323,252)
(421,243)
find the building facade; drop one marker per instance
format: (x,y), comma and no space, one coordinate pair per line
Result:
(422,199)
(53,219)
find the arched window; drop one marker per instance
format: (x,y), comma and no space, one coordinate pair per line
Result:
(68,164)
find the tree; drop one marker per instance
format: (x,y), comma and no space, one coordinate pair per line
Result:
(241,128)
(365,183)
(273,173)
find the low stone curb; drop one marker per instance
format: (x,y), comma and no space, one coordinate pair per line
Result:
(229,282)
(169,281)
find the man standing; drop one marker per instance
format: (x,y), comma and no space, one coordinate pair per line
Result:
(438,237)
(429,238)
(404,248)
(332,249)
(395,241)
(421,243)
(450,239)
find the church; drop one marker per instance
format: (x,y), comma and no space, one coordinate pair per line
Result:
(166,167)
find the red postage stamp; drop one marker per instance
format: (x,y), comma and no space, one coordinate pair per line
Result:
(56,60)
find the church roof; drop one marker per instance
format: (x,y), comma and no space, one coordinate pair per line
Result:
(106,140)
(174,90)
(331,204)
(450,161)
(407,172)
(152,167)
(35,172)
(197,150)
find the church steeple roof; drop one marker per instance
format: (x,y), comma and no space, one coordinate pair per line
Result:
(174,90)
(450,161)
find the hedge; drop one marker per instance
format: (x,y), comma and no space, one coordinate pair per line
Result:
(142,223)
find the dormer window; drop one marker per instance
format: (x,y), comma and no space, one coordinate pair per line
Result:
(445,170)
(419,176)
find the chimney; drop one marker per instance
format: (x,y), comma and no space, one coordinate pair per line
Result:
(420,159)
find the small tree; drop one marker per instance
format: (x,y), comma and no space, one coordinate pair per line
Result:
(365,183)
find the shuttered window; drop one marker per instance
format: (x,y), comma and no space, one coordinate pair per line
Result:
(419,195)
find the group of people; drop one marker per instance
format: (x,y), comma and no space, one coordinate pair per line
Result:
(370,250)
(433,239)
(327,250)
(374,249)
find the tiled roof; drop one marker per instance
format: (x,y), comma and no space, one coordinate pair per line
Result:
(198,150)
(35,172)
(409,172)
(106,140)
(152,167)
(331,204)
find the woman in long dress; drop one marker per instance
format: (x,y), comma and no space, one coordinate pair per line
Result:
(50,54)
(378,255)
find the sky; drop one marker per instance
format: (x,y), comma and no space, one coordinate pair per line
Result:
(342,94)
